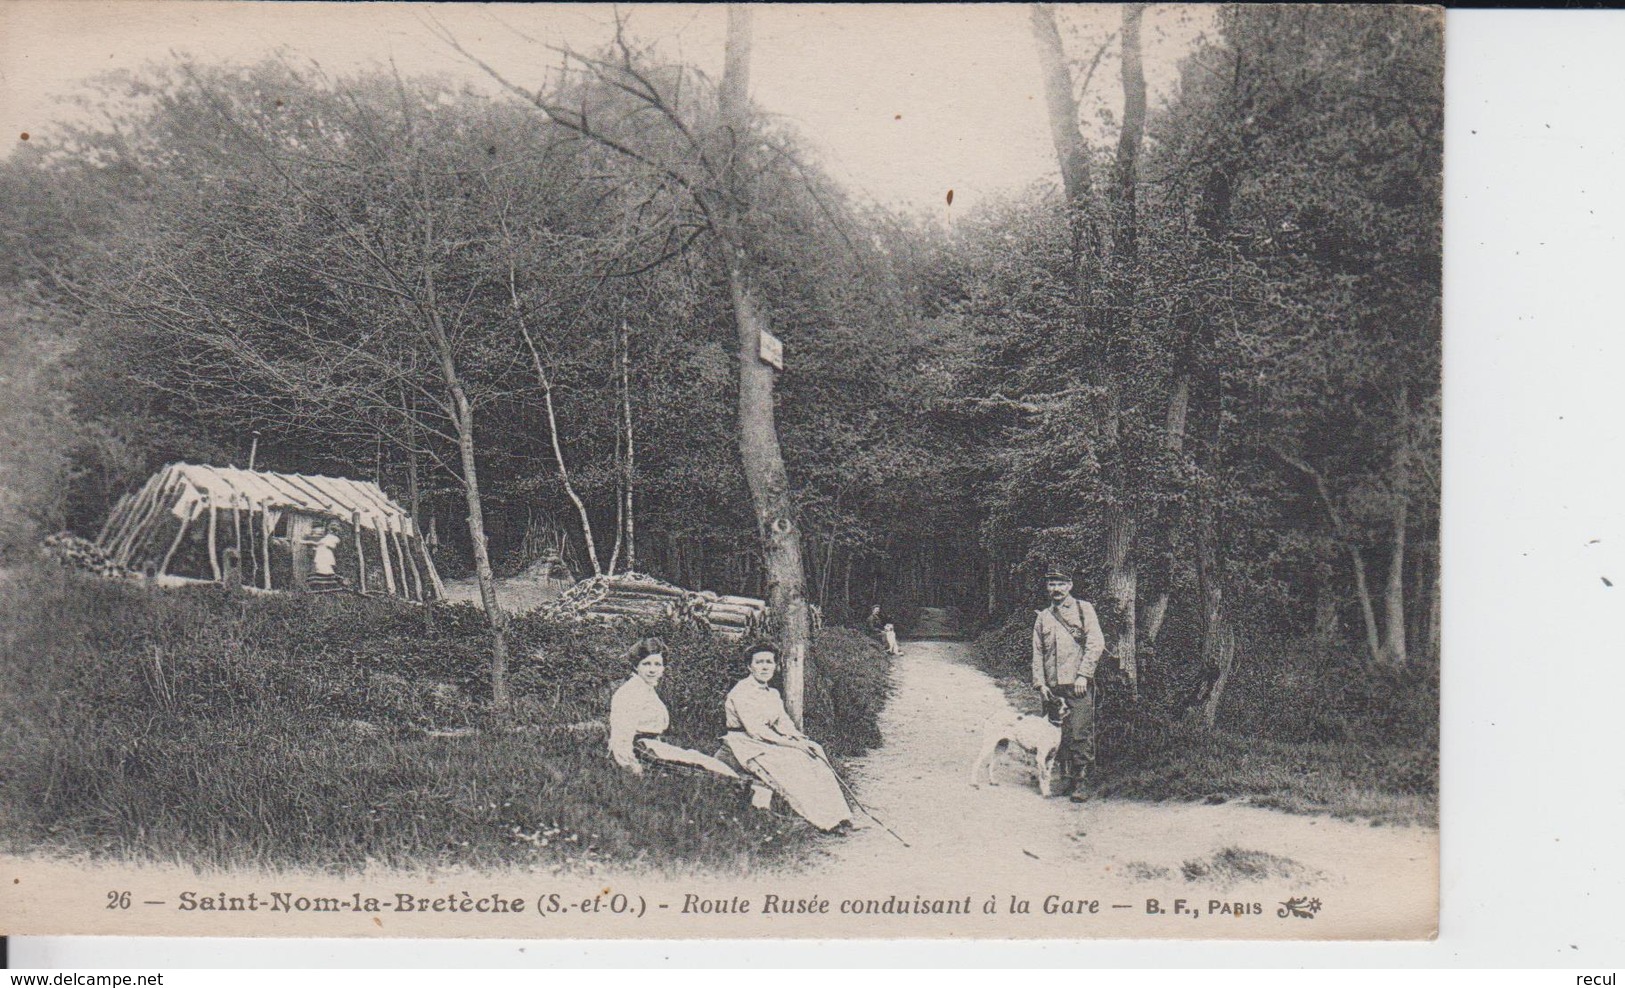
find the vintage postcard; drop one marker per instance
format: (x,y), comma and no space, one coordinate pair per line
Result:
(702,471)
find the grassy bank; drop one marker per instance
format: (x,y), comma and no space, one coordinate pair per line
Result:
(334,732)
(1289,736)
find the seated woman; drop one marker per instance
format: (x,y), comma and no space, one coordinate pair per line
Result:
(637,717)
(764,740)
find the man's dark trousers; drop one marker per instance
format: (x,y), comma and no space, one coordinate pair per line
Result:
(1076,755)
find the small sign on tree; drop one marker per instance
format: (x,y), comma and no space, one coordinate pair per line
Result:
(771,351)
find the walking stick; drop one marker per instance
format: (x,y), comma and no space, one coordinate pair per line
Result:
(855,802)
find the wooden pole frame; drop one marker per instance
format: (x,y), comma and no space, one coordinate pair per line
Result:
(152,502)
(434,575)
(165,490)
(383,549)
(400,563)
(265,529)
(113,517)
(135,502)
(174,544)
(214,559)
(417,574)
(253,556)
(360,551)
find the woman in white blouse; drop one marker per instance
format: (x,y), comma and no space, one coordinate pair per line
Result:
(762,738)
(637,717)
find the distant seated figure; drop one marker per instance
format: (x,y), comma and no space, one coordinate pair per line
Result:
(324,562)
(764,740)
(881,626)
(637,718)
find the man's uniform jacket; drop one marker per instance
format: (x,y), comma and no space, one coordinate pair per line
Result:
(1059,658)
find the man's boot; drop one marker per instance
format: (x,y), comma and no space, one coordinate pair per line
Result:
(1063,776)
(1080,788)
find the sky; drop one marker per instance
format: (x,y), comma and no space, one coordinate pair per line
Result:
(900,103)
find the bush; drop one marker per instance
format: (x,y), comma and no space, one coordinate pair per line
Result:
(1290,734)
(291,730)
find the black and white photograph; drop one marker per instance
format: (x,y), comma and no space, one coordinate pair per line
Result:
(696,471)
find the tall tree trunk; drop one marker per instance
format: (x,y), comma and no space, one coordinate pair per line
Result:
(1362,590)
(1125,211)
(1220,646)
(1393,597)
(1393,646)
(1122,585)
(1162,572)
(823,576)
(1122,577)
(630,461)
(553,427)
(1218,635)
(1121,525)
(1071,152)
(758,437)
(992,579)
(463,420)
(494,614)
(413,495)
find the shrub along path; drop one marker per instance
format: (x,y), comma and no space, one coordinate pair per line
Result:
(918,782)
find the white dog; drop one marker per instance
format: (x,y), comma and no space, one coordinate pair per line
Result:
(1033,734)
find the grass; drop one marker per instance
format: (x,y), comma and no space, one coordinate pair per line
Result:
(1331,741)
(336,733)
(1233,864)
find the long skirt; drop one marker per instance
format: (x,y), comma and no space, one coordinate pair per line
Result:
(657,750)
(805,782)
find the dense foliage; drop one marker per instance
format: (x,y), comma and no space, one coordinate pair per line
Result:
(252,250)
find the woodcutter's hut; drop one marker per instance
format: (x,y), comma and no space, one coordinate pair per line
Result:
(261,530)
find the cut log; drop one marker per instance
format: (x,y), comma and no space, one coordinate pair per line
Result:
(612,608)
(644,589)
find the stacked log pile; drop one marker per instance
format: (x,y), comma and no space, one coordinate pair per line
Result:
(638,597)
(81,554)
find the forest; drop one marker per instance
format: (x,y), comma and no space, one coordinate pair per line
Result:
(1200,366)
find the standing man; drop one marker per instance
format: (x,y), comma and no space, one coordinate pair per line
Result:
(1067,645)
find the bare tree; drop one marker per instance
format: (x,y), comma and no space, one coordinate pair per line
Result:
(1115,319)
(713,169)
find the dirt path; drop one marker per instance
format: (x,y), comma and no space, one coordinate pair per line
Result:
(918,782)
